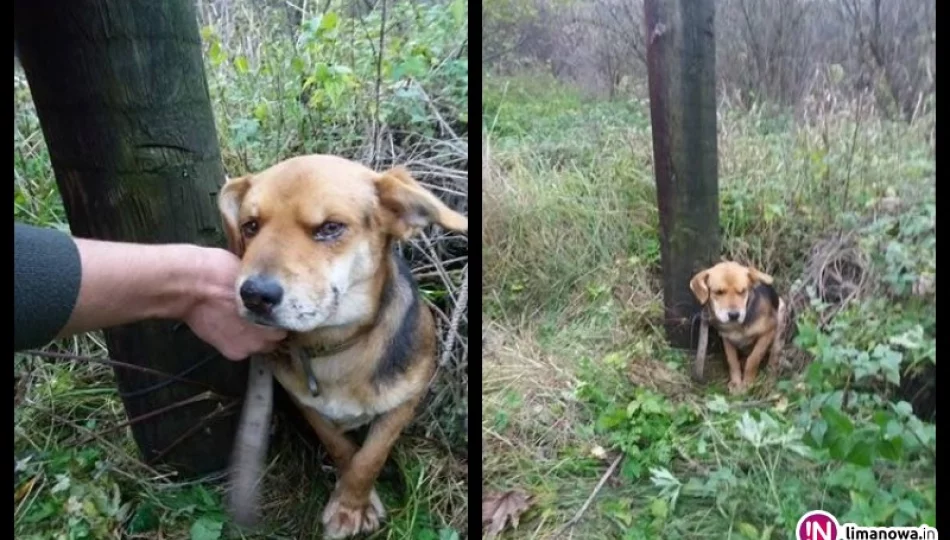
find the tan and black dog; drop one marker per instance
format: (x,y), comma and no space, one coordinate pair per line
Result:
(316,236)
(745,310)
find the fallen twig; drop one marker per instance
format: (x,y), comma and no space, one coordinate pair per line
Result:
(116,363)
(461,306)
(603,480)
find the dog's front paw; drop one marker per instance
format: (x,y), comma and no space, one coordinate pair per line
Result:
(344,517)
(737,386)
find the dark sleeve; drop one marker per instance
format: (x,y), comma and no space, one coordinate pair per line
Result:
(46,277)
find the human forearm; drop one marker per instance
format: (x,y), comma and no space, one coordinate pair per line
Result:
(124,283)
(65,286)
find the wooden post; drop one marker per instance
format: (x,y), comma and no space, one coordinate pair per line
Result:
(122,99)
(681,63)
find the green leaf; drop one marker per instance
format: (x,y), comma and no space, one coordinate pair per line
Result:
(260,112)
(838,423)
(240,64)
(611,418)
(748,530)
(652,405)
(321,72)
(216,54)
(457,7)
(631,468)
(860,454)
(903,408)
(891,449)
(297,64)
(881,418)
(839,447)
(329,21)
(144,519)
(853,477)
(413,67)
(659,508)
(816,435)
(206,529)
(448,534)
(632,408)
(718,404)
(890,361)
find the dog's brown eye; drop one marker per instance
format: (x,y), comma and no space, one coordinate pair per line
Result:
(719,292)
(740,293)
(250,228)
(330,230)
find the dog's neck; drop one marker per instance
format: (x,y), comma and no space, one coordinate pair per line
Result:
(329,340)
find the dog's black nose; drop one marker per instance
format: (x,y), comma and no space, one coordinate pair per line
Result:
(733,315)
(261,293)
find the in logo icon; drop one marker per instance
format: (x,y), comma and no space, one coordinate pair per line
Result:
(817,525)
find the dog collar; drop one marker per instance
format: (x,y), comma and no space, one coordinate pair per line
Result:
(301,355)
(304,354)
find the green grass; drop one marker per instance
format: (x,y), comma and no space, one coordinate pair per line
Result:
(576,370)
(274,95)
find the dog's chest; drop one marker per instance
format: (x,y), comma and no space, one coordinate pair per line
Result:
(338,399)
(342,408)
(736,336)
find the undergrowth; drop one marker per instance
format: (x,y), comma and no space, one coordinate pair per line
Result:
(839,208)
(284,80)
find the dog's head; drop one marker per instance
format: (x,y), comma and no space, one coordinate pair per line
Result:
(312,234)
(727,286)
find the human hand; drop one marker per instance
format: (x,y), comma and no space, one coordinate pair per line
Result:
(214,317)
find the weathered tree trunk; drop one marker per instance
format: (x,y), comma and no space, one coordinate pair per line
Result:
(681,63)
(120,90)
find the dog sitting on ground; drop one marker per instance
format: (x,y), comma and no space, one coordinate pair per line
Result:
(316,237)
(745,310)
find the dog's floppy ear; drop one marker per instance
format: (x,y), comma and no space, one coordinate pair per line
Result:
(759,277)
(699,287)
(229,204)
(412,207)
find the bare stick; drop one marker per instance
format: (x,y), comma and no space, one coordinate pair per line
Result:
(603,480)
(461,306)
